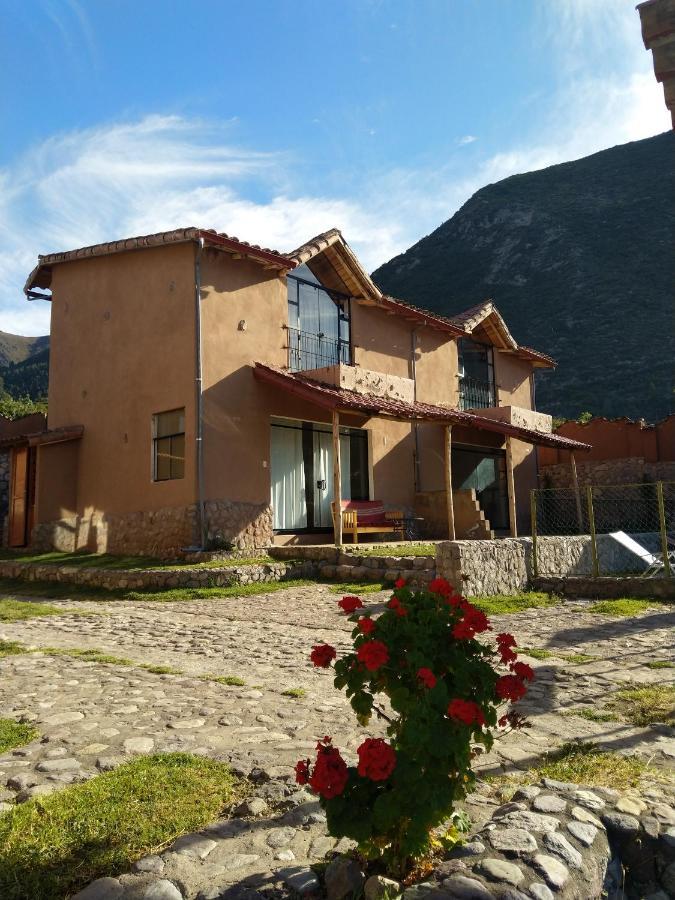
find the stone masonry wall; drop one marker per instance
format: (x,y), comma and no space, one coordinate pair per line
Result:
(505,566)
(628,470)
(160,533)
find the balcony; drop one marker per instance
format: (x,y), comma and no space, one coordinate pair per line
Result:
(308,351)
(475,394)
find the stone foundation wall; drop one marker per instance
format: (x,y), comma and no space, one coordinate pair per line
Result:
(162,533)
(628,470)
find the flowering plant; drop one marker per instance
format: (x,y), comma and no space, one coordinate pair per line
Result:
(444,691)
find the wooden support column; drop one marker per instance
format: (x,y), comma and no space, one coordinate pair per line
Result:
(448,482)
(337,481)
(510,486)
(577,493)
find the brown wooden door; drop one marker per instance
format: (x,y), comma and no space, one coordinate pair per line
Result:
(18,505)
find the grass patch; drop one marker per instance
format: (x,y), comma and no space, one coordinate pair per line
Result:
(296,693)
(418,549)
(159,670)
(15,734)
(16,610)
(90,654)
(593,715)
(55,845)
(11,648)
(646,704)
(232,680)
(495,605)
(660,664)
(358,587)
(132,563)
(587,764)
(577,659)
(624,606)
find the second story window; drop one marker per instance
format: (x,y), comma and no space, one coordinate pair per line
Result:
(318,323)
(168,445)
(476,375)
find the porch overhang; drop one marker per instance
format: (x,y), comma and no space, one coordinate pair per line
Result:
(345,401)
(39,438)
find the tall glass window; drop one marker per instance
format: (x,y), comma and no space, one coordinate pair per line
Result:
(476,375)
(318,323)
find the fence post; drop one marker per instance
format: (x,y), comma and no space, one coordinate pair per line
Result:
(533,516)
(591,523)
(662,528)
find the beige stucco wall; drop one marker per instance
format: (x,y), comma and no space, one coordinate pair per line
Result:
(122,348)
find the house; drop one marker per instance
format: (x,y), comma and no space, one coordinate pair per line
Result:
(199,384)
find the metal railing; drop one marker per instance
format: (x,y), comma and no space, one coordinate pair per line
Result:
(314,351)
(475,394)
(629,529)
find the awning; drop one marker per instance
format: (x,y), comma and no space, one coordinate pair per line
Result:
(38,438)
(343,400)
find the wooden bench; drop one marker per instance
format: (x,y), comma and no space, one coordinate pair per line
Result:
(368,517)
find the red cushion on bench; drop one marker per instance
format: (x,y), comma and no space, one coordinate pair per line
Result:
(368,512)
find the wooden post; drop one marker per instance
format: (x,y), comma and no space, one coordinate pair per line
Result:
(337,480)
(662,528)
(591,523)
(448,482)
(577,494)
(511,488)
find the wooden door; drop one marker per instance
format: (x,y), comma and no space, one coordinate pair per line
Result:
(18,505)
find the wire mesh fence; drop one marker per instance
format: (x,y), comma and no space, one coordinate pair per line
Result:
(619,529)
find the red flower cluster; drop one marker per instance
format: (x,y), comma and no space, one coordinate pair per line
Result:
(377,760)
(514,719)
(366,625)
(522,670)
(427,677)
(395,604)
(349,604)
(322,655)
(510,687)
(399,583)
(472,622)
(441,586)
(372,654)
(330,774)
(466,711)
(505,642)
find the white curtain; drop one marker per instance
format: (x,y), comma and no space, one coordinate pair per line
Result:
(323,470)
(288,479)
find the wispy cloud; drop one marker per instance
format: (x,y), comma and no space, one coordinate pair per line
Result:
(466,139)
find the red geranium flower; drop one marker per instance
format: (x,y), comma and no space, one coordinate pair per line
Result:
(330,774)
(522,670)
(506,640)
(322,655)
(509,687)
(466,711)
(399,583)
(427,677)
(473,621)
(507,655)
(377,760)
(440,586)
(373,654)
(366,625)
(349,604)
(302,771)
(395,604)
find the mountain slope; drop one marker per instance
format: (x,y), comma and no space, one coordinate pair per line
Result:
(579,259)
(14,348)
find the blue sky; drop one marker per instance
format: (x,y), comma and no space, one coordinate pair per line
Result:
(276,119)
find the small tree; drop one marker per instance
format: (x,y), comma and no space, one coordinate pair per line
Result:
(443,691)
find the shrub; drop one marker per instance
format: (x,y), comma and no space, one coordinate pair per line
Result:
(443,690)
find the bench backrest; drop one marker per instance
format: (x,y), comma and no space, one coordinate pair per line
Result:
(368,512)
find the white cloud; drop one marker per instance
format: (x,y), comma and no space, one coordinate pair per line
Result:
(466,139)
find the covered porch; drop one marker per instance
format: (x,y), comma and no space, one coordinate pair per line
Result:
(343,463)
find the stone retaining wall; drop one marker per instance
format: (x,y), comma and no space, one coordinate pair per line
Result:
(416,570)
(607,586)
(627,470)
(158,579)
(163,532)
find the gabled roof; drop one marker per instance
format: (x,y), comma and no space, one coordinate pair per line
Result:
(335,398)
(333,262)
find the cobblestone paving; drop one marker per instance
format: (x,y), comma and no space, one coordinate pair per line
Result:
(92,716)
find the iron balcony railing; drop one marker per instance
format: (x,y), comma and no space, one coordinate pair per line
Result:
(314,351)
(475,394)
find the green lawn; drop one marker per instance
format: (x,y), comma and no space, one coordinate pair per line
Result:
(497,604)
(577,659)
(11,648)
(16,610)
(587,764)
(644,704)
(15,734)
(412,549)
(53,846)
(624,606)
(354,588)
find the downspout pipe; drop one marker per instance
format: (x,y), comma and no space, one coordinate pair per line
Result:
(199,399)
(413,372)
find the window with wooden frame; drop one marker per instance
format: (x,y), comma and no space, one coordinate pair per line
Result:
(168,445)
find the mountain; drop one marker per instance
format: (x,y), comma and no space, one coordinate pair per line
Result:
(24,365)
(579,260)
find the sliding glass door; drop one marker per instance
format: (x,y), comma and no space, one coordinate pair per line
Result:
(302,473)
